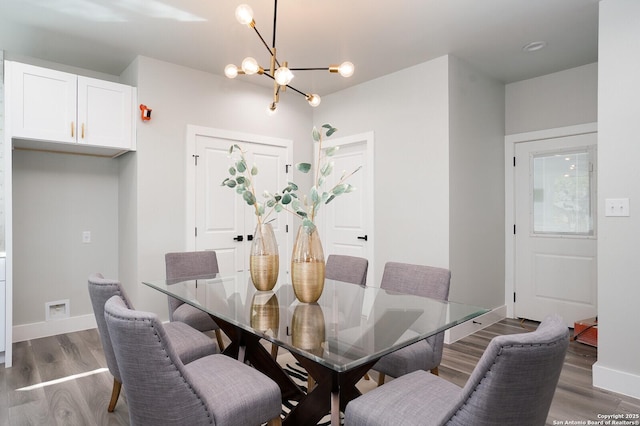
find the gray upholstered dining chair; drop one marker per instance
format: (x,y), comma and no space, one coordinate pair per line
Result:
(424,281)
(189,343)
(512,384)
(192,264)
(162,390)
(350,269)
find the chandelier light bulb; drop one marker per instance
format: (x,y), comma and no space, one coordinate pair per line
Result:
(283,76)
(314,99)
(244,14)
(231,71)
(250,66)
(346,69)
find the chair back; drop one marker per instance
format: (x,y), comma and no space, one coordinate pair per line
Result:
(158,390)
(349,269)
(426,281)
(189,264)
(101,290)
(515,379)
(421,280)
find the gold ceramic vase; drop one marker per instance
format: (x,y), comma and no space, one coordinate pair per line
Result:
(307,266)
(264,261)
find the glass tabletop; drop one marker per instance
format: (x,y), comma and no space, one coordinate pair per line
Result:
(350,325)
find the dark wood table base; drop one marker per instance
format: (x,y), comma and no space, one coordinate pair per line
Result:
(312,406)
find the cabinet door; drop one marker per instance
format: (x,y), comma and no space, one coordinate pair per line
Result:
(43,103)
(105,113)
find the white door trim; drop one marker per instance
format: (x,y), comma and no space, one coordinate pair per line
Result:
(509,196)
(192,133)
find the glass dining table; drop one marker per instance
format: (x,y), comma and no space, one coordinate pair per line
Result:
(337,340)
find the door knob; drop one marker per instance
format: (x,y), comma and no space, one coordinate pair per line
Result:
(238,238)
(363,238)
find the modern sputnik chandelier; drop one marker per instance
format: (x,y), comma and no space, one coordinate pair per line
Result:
(281,74)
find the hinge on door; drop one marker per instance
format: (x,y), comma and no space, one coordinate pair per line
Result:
(286,228)
(196,231)
(514,229)
(514,297)
(286,168)
(514,161)
(195,158)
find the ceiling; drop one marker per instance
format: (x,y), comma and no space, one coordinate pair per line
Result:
(378,37)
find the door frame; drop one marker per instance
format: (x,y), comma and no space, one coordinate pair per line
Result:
(233,136)
(509,196)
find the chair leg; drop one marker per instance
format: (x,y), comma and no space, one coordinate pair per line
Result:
(219,339)
(275,422)
(115,393)
(380,379)
(435,371)
(366,376)
(274,351)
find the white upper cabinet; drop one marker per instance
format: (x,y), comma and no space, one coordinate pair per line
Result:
(55,106)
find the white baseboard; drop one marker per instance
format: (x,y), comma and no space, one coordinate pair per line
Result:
(51,328)
(467,328)
(616,381)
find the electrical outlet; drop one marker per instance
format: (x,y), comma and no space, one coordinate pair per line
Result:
(616,207)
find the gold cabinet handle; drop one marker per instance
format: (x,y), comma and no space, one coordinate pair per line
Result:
(82,131)
(72,129)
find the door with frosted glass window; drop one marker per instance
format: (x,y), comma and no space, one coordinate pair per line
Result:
(555,250)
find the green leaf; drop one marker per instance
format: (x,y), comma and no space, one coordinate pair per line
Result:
(240,179)
(339,189)
(231,183)
(314,195)
(240,189)
(260,210)
(327,169)
(232,171)
(330,199)
(331,131)
(327,126)
(241,166)
(286,199)
(308,224)
(271,203)
(254,171)
(315,133)
(249,198)
(295,204)
(301,213)
(329,152)
(278,208)
(224,182)
(236,147)
(303,167)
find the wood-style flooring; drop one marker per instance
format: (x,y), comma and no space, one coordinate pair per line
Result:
(62,380)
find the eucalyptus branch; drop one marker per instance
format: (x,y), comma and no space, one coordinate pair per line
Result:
(288,200)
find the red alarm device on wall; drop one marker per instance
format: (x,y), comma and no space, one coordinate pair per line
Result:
(146,112)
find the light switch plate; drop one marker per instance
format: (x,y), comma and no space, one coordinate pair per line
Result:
(616,207)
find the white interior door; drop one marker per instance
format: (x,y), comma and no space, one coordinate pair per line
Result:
(222,219)
(555,240)
(346,223)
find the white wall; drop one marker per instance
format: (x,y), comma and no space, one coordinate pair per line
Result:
(560,99)
(408,113)
(618,366)
(438,130)
(179,96)
(476,182)
(55,198)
